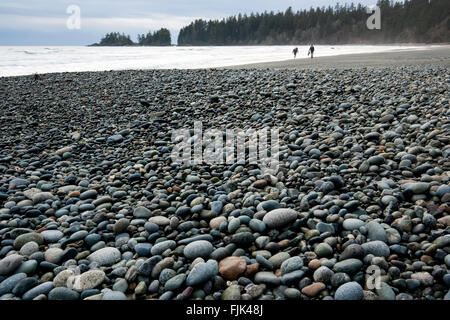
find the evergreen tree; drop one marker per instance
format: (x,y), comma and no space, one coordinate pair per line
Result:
(408,21)
(116,39)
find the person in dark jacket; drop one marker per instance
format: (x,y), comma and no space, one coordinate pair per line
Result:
(295,51)
(311,50)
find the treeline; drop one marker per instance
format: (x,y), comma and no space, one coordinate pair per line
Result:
(157,38)
(410,21)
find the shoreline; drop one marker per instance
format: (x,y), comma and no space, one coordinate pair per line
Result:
(431,55)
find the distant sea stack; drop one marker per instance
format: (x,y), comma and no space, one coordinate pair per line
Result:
(161,37)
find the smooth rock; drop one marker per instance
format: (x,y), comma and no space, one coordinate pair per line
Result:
(105,256)
(232,267)
(349,291)
(279,218)
(10,263)
(200,248)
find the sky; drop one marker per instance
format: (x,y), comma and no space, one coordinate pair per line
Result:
(54,22)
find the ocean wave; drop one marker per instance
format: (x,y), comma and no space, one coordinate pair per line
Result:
(29,52)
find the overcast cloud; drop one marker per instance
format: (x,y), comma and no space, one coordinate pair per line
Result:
(43,22)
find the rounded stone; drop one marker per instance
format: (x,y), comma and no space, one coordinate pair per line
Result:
(349,266)
(393,236)
(175,283)
(87,280)
(200,248)
(160,221)
(349,291)
(323,250)
(41,197)
(425,278)
(43,288)
(291,264)
(120,285)
(62,293)
(279,218)
(51,236)
(339,278)
(9,283)
(232,267)
(417,187)
(376,232)
(233,292)
(29,248)
(257,225)
(28,267)
(61,279)
(105,256)
(10,263)
(121,225)
(292,293)
(352,224)
(323,274)
(148,265)
(377,248)
(143,249)
(215,222)
(142,213)
(277,259)
(54,255)
(313,289)
(28,237)
(385,292)
(114,295)
(151,227)
(202,272)
(242,239)
(353,250)
(141,288)
(268,205)
(162,246)
(24,285)
(267,278)
(233,225)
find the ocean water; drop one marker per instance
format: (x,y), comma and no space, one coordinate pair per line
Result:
(29,60)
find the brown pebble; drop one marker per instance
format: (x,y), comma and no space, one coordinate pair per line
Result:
(232,267)
(251,269)
(314,264)
(259,184)
(283,243)
(426,259)
(313,289)
(74,194)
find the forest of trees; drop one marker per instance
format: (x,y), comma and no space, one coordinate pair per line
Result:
(158,38)
(116,39)
(401,22)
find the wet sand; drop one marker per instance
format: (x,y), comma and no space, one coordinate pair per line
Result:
(436,55)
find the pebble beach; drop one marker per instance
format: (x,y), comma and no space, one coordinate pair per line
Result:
(92,207)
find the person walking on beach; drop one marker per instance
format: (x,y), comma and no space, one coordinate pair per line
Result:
(311,50)
(295,51)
